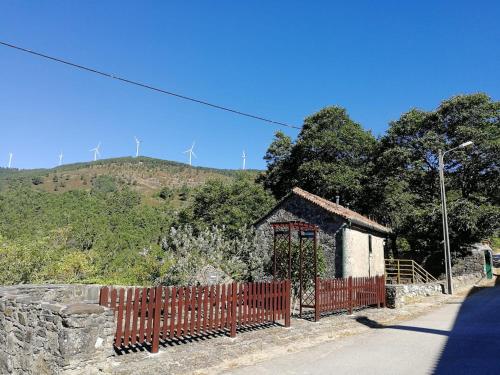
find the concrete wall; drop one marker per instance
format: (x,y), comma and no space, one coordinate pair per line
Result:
(53,329)
(358,260)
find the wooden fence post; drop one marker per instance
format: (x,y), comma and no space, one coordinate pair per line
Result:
(317,307)
(234,295)
(286,295)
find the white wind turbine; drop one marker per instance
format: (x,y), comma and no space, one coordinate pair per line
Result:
(137,145)
(244,157)
(10,159)
(95,150)
(61,158)
(191,153)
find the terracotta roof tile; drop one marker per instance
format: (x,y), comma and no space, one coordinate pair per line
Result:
(339,210)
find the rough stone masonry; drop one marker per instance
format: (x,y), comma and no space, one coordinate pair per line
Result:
(53,329)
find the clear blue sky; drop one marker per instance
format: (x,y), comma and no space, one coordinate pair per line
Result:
(283,60)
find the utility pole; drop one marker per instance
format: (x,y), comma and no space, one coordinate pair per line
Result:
(446,237)
(444,212)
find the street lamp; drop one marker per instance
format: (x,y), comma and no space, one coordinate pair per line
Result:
(446,237)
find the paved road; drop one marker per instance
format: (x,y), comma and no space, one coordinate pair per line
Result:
(462,337)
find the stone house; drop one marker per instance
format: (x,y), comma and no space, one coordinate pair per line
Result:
(352,244)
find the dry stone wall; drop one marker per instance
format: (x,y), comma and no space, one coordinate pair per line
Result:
(53,329)
(398,295)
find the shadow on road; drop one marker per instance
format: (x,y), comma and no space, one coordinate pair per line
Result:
(473,342)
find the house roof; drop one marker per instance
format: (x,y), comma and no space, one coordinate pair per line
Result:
(341,211)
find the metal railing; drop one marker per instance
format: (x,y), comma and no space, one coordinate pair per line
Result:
(406,271)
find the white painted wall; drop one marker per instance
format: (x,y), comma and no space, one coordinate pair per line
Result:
(357,260)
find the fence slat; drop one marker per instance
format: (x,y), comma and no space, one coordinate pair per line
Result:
(205,310)
(113,300)
(241,298)
(151,306)
(250,302)
(245,303)
(211,309)
(119,322)
(135,316)
(142,324)
(165,313)
(223,307)
(217,302)
(128,311)
(173,314)
(193,303)
(186,311)
(103,296)
(180,306)
(156,320)
(234,301)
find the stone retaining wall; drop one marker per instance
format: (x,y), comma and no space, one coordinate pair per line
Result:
(53,329)
(398,295)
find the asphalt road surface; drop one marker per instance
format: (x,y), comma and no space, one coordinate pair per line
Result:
(462,337)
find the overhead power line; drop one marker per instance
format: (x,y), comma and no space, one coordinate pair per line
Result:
(149,87)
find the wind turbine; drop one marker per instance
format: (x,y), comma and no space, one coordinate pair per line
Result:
(137,144)
(191,153)
(61,158)
(96,151)
(244,157)
(10,160)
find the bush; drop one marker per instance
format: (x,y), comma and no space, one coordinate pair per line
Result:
(37,180)
(242,258)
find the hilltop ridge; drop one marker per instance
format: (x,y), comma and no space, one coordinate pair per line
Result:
(142,174)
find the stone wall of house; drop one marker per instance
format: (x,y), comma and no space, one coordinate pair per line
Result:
(297,209)
(53,329)
(358,260)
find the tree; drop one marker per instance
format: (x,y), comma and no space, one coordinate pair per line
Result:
(332,156)
(406,181)
(278,159)
(230,205)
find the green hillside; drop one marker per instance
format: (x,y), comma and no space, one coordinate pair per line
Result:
(147,176)
(111,221)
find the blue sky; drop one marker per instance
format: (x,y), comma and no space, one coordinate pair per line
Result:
(282,60)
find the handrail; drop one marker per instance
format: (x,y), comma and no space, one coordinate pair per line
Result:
(406,271)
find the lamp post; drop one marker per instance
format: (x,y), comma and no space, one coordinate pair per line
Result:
(444,212)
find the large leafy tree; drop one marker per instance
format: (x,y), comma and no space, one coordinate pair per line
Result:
(231,205)
(332,156)
(406,180)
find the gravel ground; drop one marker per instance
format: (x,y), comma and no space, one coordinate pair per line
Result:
(213,355)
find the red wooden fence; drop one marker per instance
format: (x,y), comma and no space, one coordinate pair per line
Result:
(348,293)
(148,315)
